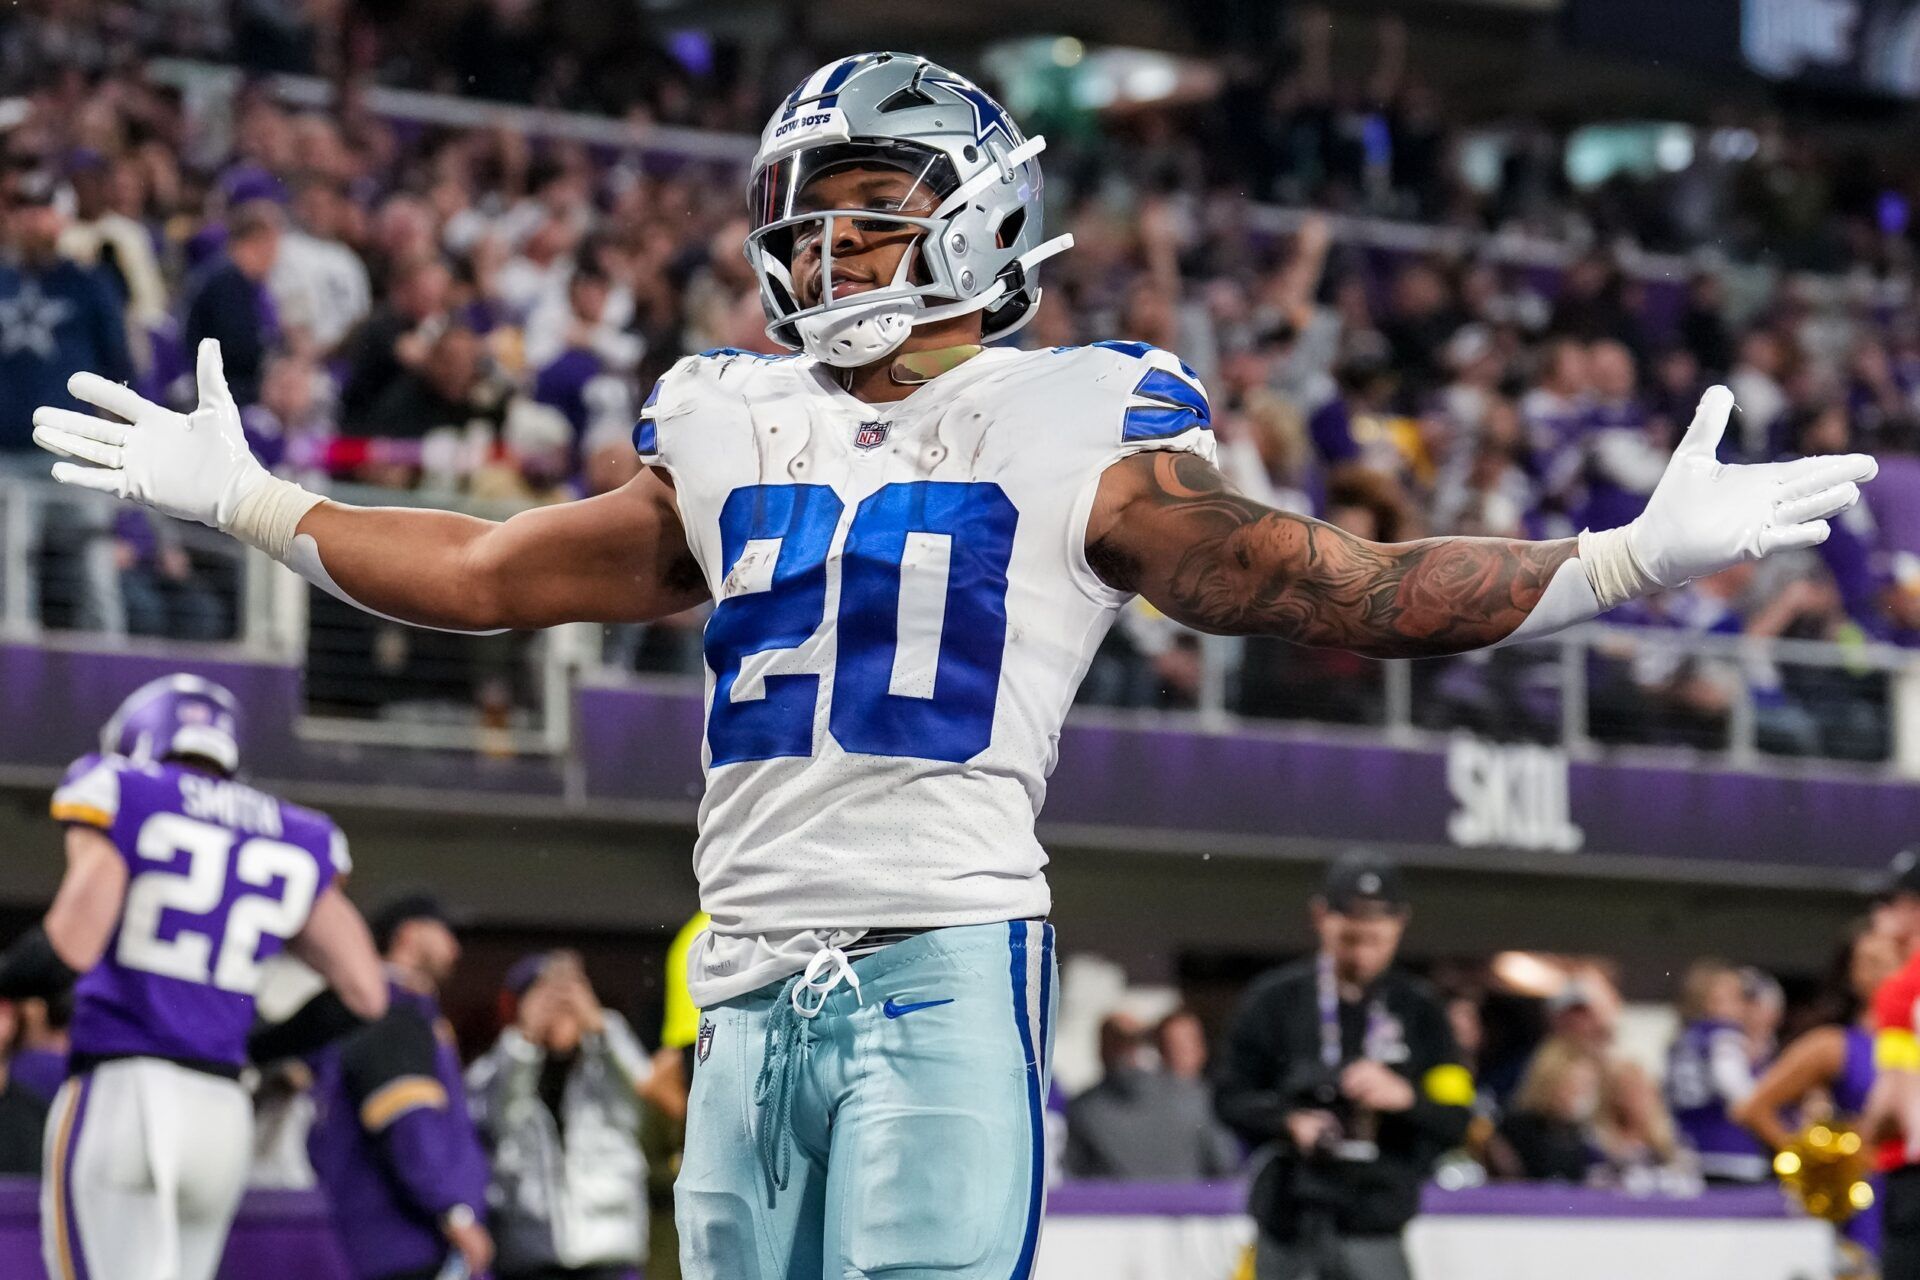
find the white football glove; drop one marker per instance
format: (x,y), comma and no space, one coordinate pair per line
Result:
(1706,515)
(195,466)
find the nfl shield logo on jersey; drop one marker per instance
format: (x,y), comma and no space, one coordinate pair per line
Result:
(705,1044)
(871,435)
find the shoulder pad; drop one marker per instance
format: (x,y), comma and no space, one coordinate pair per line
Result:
(90,792)
(1167,398)
(671,393)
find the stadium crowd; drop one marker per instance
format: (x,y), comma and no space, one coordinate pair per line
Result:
(475,313)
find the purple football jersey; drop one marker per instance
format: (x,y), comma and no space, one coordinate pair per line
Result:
(219,876)
(1707,1072)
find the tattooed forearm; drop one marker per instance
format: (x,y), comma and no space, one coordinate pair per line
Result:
(1221,562)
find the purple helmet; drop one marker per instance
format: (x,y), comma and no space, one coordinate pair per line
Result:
(177,715)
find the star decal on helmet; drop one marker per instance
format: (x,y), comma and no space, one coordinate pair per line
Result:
(988,117)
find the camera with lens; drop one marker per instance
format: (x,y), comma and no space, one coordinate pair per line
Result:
(1314,1086)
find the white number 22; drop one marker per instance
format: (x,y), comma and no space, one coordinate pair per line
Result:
(197,889)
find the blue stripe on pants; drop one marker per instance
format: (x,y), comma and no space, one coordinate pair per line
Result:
(1017,938)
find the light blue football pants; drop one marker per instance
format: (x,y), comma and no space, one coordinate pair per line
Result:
(897,1132)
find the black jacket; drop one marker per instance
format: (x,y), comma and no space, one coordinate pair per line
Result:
(1272,1065)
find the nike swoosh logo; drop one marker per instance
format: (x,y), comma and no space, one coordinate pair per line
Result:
(894,1009)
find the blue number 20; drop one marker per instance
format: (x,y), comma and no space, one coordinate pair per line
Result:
(794,524)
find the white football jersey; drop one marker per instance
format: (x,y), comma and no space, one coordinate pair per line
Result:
(903,611)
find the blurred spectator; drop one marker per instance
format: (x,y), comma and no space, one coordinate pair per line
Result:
(116,245)
(1142,1123)
(1182,1044)
(543,262)
(1549,1123)
(451,386)
(23,1112)
(283,1112)
(1420,320)
(1626,450)
(230,301)
(1757,381)
(1263,449)
(392,1139)
(1579,1018)
(1674,696)
(558,1101)
(587,317)
(161,592)
(1552,413)
(1360,447)
(319,284)
(1710,1073)
(1635,1135)
(57,318)
(1892,1113)
(290,422)
(1487,492)
(395,338)
(1577,1014)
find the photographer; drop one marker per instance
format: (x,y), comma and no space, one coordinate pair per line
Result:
(558,1101)
(1347,1069)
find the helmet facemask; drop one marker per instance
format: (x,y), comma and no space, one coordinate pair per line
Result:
(793,248)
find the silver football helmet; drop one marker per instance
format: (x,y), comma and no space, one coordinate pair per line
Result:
(976,246)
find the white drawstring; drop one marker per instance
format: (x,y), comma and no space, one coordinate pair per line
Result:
(809,994)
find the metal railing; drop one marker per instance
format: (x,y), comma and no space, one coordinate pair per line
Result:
(66,567)
(76,561)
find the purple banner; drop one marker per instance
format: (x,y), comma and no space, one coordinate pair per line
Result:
(1140,784)
(54,700)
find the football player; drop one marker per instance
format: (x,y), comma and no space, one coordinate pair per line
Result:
(180,883)
(914,543)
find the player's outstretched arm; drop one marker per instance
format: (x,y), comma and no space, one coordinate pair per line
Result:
(620,557)
(1168,526)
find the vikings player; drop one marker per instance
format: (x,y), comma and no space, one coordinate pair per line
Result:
(914,542)
(180,884)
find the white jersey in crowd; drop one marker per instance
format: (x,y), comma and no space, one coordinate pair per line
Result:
(904,610)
